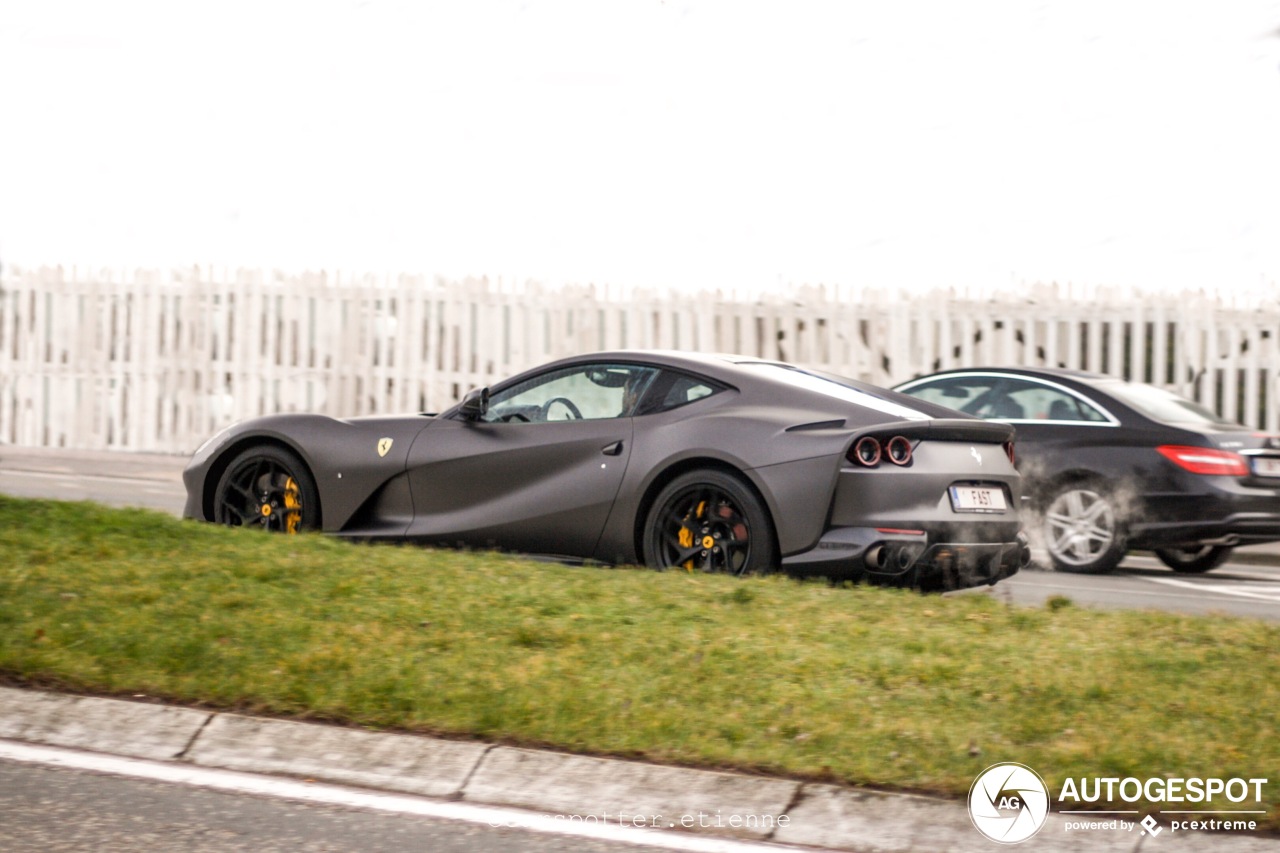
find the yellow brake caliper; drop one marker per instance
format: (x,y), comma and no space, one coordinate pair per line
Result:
(686,535)
(292,505)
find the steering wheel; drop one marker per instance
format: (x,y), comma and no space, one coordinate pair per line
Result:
(567,403)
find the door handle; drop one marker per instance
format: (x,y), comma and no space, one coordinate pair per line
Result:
(614,449)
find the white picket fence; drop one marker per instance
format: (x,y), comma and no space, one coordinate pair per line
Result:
(158,361)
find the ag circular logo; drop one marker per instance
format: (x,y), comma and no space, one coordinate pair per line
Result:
(1008,802)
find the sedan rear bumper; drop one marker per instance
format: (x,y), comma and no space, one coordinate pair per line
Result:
(1246,528)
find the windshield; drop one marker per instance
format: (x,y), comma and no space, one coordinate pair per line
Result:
(1164,406)
(831,387)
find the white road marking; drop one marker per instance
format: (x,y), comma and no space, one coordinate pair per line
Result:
(1075,587)
(1219,588)
(338,795)
(1235,570)
(67,478)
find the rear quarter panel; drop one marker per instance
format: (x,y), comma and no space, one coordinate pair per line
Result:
(790,453)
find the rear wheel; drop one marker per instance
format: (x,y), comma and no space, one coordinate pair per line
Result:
(710,521)
(1082,530)
(270,488)
(1195,559)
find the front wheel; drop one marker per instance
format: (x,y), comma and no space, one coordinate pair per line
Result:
(1082,530)
(1195,559)
(270,488)
(710,521)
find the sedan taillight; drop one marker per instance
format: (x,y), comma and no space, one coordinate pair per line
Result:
(1204,460)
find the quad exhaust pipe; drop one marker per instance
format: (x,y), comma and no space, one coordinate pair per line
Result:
(881,556)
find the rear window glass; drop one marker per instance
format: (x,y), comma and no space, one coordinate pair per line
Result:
(1161,405)
(831,387)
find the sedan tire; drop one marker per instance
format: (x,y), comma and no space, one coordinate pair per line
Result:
(1082,529)
(1195,559)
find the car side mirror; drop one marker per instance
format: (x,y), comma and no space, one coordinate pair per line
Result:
(475,405)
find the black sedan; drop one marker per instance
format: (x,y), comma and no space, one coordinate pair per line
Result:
(1111,465)
(710,463)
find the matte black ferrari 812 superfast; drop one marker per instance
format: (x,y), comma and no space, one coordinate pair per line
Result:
(1111,465)
(711,463)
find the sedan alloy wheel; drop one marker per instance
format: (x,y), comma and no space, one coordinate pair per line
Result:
(1082,531)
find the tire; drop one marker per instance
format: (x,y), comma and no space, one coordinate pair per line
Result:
(710,521)
(1195,559)
(1083,530)
(270,488)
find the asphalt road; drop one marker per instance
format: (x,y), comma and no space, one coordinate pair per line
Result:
(1143,582)
(1248,587)
(49,809)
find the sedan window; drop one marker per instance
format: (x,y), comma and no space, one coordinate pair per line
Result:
(1165,406)
(965,393)
(582,392)
(1040,402)
(1008,398)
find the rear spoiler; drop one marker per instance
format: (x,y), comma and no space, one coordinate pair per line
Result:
(947,429)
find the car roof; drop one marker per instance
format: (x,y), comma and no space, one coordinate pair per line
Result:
(1085,377)
(721,366)
(737,371)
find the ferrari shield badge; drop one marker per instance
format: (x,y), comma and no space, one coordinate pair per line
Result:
(384,446)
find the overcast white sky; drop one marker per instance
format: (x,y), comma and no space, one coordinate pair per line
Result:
(685,144)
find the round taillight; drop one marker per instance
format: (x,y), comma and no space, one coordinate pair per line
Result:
(867,451)
(898,450)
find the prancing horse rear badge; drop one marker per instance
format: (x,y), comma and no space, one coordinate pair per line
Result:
(384,446)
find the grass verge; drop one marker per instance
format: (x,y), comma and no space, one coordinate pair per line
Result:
(864,686)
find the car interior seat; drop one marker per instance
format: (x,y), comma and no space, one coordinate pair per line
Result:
(1005,407)
(1061,410)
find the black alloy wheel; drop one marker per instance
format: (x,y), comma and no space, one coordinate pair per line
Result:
(710,521)
(270,488)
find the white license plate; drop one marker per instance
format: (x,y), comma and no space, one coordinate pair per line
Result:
(1265,466)
(977,499)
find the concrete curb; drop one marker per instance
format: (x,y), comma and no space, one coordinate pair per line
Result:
(713,803)
(427,767)
(701,800)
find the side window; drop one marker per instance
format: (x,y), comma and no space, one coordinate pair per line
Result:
(672,390)
(965,393)
(1045,403)
(1006,398)
(583,392)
